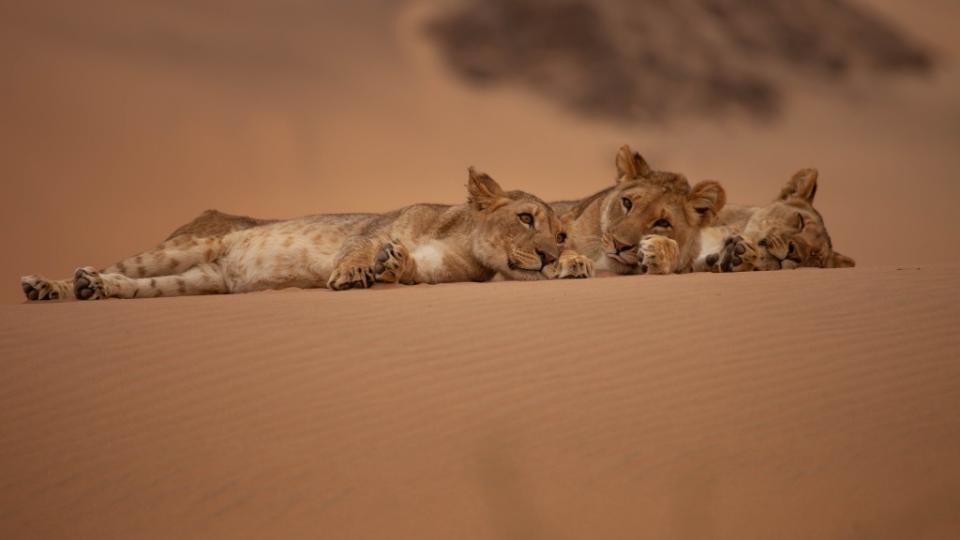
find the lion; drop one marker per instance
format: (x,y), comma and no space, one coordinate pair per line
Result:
(511,233)
(649,222)
(787,233)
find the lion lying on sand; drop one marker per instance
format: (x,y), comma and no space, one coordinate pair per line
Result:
(511,233)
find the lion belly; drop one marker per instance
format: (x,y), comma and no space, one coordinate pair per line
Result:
(289,254)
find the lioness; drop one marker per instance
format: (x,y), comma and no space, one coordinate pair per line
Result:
(649,222)
(787,233)
(512,233)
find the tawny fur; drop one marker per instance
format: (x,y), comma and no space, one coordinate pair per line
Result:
(649,222)
(511,233)
(784,234)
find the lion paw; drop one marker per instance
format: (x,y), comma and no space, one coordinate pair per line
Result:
(658,255)
(738,255)
(350,276)
(392,263)
(88,284)
(38,288)
(712,262)
(572,265)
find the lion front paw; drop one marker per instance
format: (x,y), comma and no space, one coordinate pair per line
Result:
(38,288)
(393,263)
(350,276)
(88,284)
(573,265)
(738,255)
(658,255)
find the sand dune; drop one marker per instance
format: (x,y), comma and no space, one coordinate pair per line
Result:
(802,404)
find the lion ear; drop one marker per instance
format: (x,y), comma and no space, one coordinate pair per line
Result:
(483,192)
(840,260)
(705,201)
(802,185)
(631,165)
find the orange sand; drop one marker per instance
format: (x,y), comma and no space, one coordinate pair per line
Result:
(655,407)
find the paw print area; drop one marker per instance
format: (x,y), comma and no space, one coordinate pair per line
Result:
(574,266)
(738,255)
(392,263)
(351,277)
(658,255)
(38,288)
(88,284)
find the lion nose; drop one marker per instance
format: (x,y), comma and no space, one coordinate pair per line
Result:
(545,258)
(621,247)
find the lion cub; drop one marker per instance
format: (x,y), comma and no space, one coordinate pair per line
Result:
(508,232)
(787,233)
(648,222)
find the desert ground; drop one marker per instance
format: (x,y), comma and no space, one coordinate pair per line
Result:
(796,404)
(824,407)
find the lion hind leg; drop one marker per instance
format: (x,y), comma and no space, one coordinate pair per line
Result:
(175,256)
(89,284)
(171,258)
(39,288)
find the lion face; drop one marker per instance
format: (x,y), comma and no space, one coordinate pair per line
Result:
(790,233)
(646,202)
(518,235)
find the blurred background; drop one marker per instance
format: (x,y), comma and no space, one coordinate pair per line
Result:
(123,120)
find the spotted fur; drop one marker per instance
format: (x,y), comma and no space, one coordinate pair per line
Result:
(511,233)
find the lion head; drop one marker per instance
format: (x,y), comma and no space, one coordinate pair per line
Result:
(647,202)
(517,234)
(789,232)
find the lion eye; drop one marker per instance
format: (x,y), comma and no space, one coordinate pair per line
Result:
(561,238)
(526,218)
(800,222)
(627,203)
(662,223)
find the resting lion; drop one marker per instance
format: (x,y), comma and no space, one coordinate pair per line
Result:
(511,233)
(787,233)
(649,222)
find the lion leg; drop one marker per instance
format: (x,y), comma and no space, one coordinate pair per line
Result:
(39,288)
(658,255)
(89,284)
(172,257)
(353,266)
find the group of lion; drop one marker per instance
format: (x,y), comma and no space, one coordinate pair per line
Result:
(649,222)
